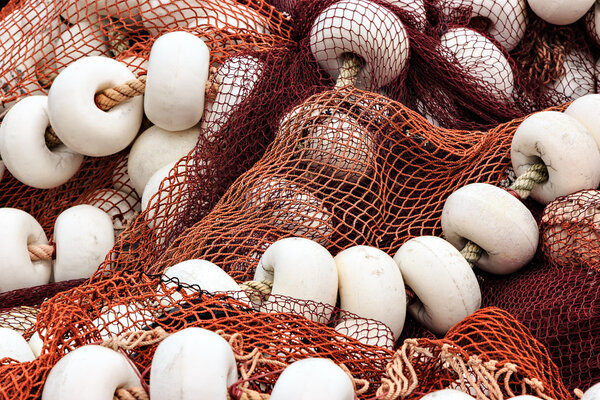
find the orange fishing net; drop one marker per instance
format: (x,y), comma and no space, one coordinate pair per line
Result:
(40,38)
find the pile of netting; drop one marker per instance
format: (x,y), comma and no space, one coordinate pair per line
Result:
(341,167)
(489,354)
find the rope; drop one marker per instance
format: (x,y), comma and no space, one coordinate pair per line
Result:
(134,393)
(131,340)
(40,252)
(535,174)
(111,97)
(349,71)
(472,253)
(257,290)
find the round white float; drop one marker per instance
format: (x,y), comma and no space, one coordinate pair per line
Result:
(84,235)
(365,29)
(560,12)
(444,283)
(592,393)
(339,148)
(14,346)
(236,79)
(371,286)
(480,59)
(291,208)
(315,379)
(154,149)
(578,78)
(176,81)
(565,146)
(301,269)
(208,276)
(18,230)
(24,150)
(496,221)
(195,363)
(586,110)
(507,19)
(76,119)
(93,371)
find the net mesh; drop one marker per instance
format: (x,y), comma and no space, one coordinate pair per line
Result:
(283,155)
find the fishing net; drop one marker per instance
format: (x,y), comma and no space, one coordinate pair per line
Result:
(570,230)
(560,305)
(130,302)
(346,167)
(40,38)
(489,355)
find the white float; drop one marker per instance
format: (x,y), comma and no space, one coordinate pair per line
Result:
(315,379)
(301,269)
(443,281)
(339,148)
(14,346)
(76,119)
(586,110)
(371,286)
(236,79)
(24,150)
(578,77)
(447,394)
(176,81)
(479,59)
(84,235)
(496,221)
(156,148)
(560,12)
(364,29)
(194,363)
(208,276)
(92,371)
(18,230)
(592,23)
(291,208)
(565,146)
(507,18)
(592,393)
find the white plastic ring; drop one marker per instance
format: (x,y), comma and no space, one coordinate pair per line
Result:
(496,221)
(444,283)
(18,230)
(367,30)
(563,144)
(76,119)
(24,150)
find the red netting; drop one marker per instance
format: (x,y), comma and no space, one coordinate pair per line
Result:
(570,229)
(41,37)
(379,183)
(488,355)
(560,305)
(88,313)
